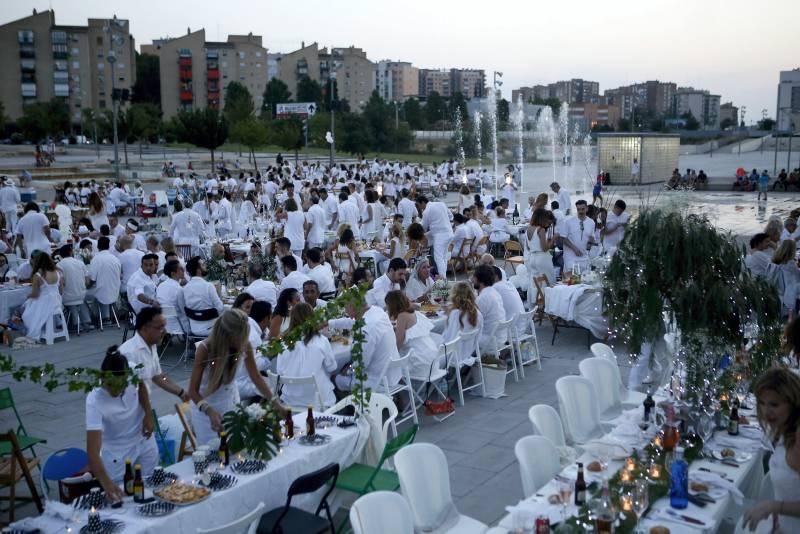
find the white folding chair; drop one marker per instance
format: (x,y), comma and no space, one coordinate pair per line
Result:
(601,350)
(454,359)
(547,423)
(603,376)
(402,365)
(628,398)
(577,405)
(504,329)
(525,331)
(539,462)
(174,328)
(425,483)
(378,404)
(386,512)
(247,524)
(309,381)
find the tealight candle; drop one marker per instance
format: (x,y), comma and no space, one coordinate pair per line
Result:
(723,397)
(625,476)
(630,464)
(655,471)
(626,502)
(657,442)
(94,521)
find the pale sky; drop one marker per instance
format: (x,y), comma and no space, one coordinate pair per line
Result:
(734,48)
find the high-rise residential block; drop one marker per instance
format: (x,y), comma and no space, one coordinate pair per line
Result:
(787,112)
(730,113)
(469,82)
(653,96)
(701,104)
(42,60)
(396,81)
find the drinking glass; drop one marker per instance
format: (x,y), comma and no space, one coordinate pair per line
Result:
(603,455)
(641,499)
(564,493)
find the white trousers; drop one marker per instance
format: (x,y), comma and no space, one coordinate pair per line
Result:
(143,451)
(440,244)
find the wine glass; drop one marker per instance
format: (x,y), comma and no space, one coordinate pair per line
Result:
(603,455)
(641,499)
(646,423)
(564,493)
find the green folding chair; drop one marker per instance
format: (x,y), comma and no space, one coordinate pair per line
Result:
(362,479)
(25,441)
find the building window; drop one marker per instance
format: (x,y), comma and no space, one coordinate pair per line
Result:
(76,65)
(75,52)
(101,104)
(25,37)
(101,66)
(258,54)
(121,66)
(100,43)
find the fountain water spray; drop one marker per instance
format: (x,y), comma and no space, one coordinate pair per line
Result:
(492,111)
(476,128)
(459,140)
(519,125)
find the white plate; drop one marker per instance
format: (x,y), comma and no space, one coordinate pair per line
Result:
(740,457)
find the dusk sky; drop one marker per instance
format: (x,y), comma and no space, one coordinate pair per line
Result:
(734,48)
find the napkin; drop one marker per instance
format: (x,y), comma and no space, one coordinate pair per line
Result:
(718,481)
(59,510)
(539,506)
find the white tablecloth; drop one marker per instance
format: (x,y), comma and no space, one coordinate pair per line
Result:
(746,478)
(580,303)
(12,298)
(269,486)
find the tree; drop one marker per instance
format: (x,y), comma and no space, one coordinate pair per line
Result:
(413,114)
(287,134)
(147,89)
(309,90)
(503,111)
(238,103)
(327,104)
(691,122)
(458,103)
(252,133)
(435,108)
(44,118)
(553,102)
(355,139)
(378,118)
(275,93)
(766,124)
(206,128)
(726,123)
(144,123)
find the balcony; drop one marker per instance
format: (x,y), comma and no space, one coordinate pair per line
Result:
(185,74)
(213,74)
(61,89)
(28,77)
(186,96)
(27,65)
(28,90)
(212,54)
(60,51)
(27,52)
(185,62)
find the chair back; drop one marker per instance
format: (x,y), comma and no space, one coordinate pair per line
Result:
(184,252)
(547,423)
(7,403)
(61,464)
(469,345)
(466,247)
(307,382)
(15,467)
(170,313)
(386,512)
(601,350)
(604,376)
(345,257)
(247,524)
(402,365)
(377,405)
(425,483)
(392,446)
(539,462)
(512,246)
(310,483)
(577,405)
(524,323)
(182,409)
(451,353)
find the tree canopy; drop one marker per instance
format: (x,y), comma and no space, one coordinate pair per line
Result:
(147,89)
(206,128)
(41,119)
(275,93)
(435,108)
(238,103)
(309,90)
(252,133)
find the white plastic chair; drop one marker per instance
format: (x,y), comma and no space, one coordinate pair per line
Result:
(539,462)
(547,423)
(386,512)
(577,405)
(247,524)
(600,372)
(628,398)
(402,365)
(454,360)
(315,402)
(425,483)
(504,329)
(377,404)
(50,332)
(525,331)
(431,380)
(601,350)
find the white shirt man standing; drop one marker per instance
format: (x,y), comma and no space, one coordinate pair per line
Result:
(436,222)
(407,209)
(142,284)
(186,227)
(348,213)
(564,200)
(579,230)
(616,222)
(315,235)
(9,198)
(34,229)
(130,258)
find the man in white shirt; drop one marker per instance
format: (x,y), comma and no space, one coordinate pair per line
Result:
(119,197)
(142,284)
(223,216)
(261,290)
(9,198)
(460,233)
(330,206)
(789,230)
(407,209)
(315,234)
(34,229)
(759,258)
(579,232)
(105,270)
(186,227)
(199,299)
(475,231)
(129,257)
(167,293)
(380,346)
(283,247)
(320,272)
(436,222)
(259,318)
(559,216)
(394,278)
(490,305)
(76,275)
(564,200)
(132,229)
(117,230)
(635,172)
(292,277)
(311,295)
(512,302)
(348,213)
(616,222)
(142,349)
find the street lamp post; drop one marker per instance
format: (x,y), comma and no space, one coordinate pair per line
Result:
(744,110)
(331,79)
(112,59)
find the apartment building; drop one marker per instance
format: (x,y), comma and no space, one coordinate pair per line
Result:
(654,96)
(396,81)
(788,108)
(589,115)
(529,94)
(704,106)
(729,112)
(195,72)
(469,82)
(42,60)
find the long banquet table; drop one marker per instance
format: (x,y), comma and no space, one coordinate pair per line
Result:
(269,486)
(727,483)
(11,298)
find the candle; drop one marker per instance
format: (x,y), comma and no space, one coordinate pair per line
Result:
(630,464)
(626,501)
(655,471)
(723,397)
(625,476)
(657,442)
(94,524)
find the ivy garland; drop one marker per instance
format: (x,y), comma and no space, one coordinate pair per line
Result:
(335,308)
(83,379)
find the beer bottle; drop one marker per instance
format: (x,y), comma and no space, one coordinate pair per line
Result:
(580,487)
(289,425)
(649,404)
(224,452)
(138,484)
(310,431)
(128,480)
(733,421)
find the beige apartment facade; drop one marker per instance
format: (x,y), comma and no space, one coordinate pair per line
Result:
(195,72)
(42,61)
(396,81)
(305,61)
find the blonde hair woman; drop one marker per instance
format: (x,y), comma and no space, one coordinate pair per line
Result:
(212,386)
(784,274)
(463,316)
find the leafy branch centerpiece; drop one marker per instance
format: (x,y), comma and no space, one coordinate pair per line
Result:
(255,429)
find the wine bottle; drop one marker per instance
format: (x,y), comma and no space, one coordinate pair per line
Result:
(580,487)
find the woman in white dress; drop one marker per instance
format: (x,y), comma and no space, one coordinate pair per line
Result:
(346,250)
(396,249)
(247,216)
(465,200)
(420,283)
(538,260)
(499,227)
(294,229)
(784,274)
(412,330)
(212,386)
(778,408)
(97,211)
(371,225)
(463,316)
(47,285)
(311,356)
(279,323)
